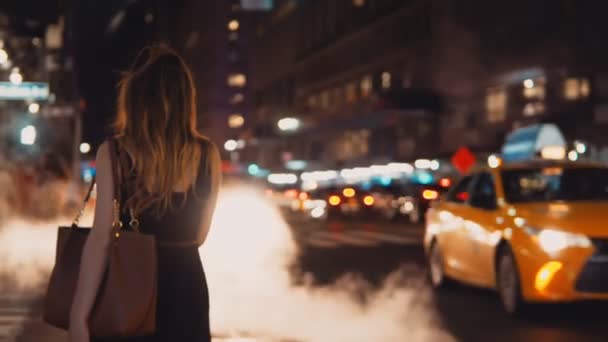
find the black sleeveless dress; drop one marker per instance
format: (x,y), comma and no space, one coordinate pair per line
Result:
(183,297)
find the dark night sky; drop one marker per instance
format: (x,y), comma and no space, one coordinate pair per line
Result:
(102,55)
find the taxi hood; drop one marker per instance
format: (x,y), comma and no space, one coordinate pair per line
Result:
(584,217)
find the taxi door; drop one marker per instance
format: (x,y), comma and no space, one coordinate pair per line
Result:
(452,213)
(483,229)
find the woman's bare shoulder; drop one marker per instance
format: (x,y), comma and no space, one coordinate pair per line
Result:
(208,147)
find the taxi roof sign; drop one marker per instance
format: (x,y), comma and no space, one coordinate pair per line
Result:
(528,142)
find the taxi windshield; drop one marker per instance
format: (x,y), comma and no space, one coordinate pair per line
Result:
(555,184)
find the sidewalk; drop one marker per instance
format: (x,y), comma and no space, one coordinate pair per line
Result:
(35,330)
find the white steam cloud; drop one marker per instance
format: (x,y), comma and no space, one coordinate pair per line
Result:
(246,258)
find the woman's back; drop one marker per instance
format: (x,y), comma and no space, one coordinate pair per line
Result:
(169,179)
(187,222)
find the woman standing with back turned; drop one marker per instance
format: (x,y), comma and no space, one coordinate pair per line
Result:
(170,175)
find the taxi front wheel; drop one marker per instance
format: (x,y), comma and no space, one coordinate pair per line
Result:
(508,283)
(436,269)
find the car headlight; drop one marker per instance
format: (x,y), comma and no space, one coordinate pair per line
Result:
(551,240)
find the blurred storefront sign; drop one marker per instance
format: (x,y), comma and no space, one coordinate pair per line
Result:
(24,91)
(296,165)
(256,5)
(58,111)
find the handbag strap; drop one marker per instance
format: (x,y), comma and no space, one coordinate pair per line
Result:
(116,179)
(116,201)
(87,197)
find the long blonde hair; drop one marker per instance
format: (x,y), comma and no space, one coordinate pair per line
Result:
(156,124)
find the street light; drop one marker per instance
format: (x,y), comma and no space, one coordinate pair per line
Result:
(422,164)
(236,121)
(580,147)
(33,108)
(434,165)
(288,124)
(3,56)
(28,135)
(85,148)
(233,25)
(231,145)
(529,83)
(15,77)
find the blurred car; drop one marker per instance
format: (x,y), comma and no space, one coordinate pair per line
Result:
(411,200)
(349,201)
(311,204)
(282,196)
(534,231)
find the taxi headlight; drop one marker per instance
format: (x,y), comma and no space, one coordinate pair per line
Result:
(552,241)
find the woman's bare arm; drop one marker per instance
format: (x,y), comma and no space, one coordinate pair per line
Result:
(214,172)
(95,253)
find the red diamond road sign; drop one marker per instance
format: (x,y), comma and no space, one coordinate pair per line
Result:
(463,160)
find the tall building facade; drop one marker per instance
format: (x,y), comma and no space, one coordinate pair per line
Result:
(373,80)
(353,73)
(39,98)
(216,39)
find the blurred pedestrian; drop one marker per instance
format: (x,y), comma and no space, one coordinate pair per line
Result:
(169,177)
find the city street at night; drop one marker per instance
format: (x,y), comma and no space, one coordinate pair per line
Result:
(303,171)
(341,280)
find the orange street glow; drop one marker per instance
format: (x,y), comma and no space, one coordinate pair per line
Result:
(368,200)
(445,182)
(291,193)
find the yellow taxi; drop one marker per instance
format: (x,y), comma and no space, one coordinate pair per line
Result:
(534,231)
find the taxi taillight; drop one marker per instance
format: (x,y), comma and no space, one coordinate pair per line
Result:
(334,200)
(291,193)
(430,194)
(349,192)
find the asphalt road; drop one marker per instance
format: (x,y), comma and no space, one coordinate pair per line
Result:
(371,252)
(331,250)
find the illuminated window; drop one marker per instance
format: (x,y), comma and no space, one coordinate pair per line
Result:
(338,96)
(359,3)
(534,108)
(237,80)
(325,99)
(496,104)
(534,88)
(576,88)
(236,121)
(351,92)
(237,98)
(312,101)
(366,86)
(233,25)
(386,80)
